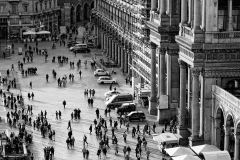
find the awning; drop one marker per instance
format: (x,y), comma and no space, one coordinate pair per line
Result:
(179,151)
(204,148)
(29,33)
(43,32)
(217,155)
(167,137)
(186,157)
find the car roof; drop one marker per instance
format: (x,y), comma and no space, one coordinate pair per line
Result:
(104,77)
(135,112)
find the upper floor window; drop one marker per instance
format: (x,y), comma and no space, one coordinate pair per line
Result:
(36,7)
(40,6)
(25,8)
(50,4)
(2,8)
(45,5)
(14,8)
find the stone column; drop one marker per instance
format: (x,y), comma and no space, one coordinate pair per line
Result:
(130,62)
(126,61)
(230,18)
(183,12)
(197,15)
(122,59)
(113,50)
(110,47)
(236,152)
(217,133)
(153,5)
(153,97)
(163,7)
(190,11)
(162,72)
(116,53)
(195,104)
(169,75)
(182,112)
(226,138)
(159,5)
(102,40)
(189,96)
(119,56)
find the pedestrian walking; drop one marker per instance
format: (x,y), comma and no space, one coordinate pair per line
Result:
(47,76)
(64,104)
(85,140)
(138,129)
(12,68)
(154,127)
(125,137)
(69,125)
(87,153)
(128,150)
(84,152)
(124,151)
(148,153)
(90,129)
(97,113)
(165,124)
(30,84)
(59,114)
(99,153)
(116,149)
(80,73)
(32,95)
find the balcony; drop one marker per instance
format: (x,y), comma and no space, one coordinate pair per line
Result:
(13,0)
(4,13)
(26,13)
(223,37)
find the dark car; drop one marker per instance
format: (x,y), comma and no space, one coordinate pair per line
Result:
(136,115)
(72,43)
(126,108)
(83,50)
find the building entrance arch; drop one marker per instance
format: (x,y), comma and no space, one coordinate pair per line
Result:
(78,13)
(86,12)
(229,140)
(219,129)
(72,15)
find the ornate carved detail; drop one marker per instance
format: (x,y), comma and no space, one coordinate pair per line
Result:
(222,73)
(186,52)
(182,64)
(152,45)
(195,71)
(173,52)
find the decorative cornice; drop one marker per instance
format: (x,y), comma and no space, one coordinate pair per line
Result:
(211,73)
(195,72)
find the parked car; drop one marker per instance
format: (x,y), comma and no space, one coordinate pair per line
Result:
(136,115)
(106,79)
(72,43)
(78,45)
(100,72)
(126,108)
(110,93)
(82,50)
(117,100)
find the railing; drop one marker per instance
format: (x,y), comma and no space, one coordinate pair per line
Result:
(227,99)
(188,31)
(4,13)
(227,35)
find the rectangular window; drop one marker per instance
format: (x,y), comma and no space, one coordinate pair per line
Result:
(14,21)
(26,20)
(36,7)
(45,5)
(25,8)
(2,8)
(40,6)
(14,9)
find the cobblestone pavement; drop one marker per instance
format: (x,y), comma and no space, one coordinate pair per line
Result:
(49,97)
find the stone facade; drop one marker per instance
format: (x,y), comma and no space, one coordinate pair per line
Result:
(187,51)
(17,16)
(75,12)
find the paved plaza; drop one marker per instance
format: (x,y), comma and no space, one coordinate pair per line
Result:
(49,96)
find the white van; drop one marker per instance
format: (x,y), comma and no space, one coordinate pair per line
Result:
(117,100)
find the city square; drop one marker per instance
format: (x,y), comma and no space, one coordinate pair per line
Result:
(75,74)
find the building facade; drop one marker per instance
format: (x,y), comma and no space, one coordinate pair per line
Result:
(16,16)
(75,12)
(187,53)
